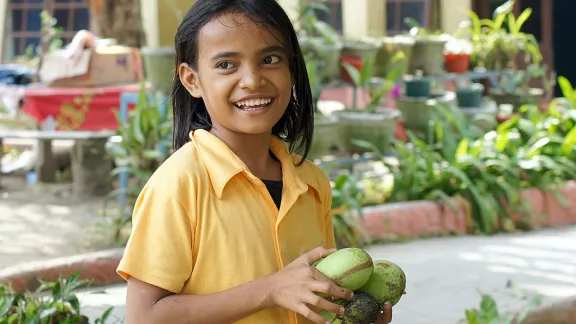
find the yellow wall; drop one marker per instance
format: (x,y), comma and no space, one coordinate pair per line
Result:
(168,20)
(453,12)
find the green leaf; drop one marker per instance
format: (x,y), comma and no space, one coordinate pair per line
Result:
(522,19)
(489,308)
(569,143)
(462,148)
(353,73)
(472,317)
(566,87)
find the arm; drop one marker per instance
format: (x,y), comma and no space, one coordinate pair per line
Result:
(149,304)
(295,288)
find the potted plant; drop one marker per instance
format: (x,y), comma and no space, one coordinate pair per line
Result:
(417,86)
(418,112)
(428,51)
(159,61)
(327,136)
(388,48)
(372,123)
(515,88)
(469,95)
(457,56)
(497,47)
(356,52)
(319,39)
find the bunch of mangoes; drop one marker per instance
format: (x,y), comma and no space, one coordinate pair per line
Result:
(374,282)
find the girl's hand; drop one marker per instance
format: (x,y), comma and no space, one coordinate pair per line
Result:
(386,316)
(295,287)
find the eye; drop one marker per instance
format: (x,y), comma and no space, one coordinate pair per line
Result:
(225,65)
(272,59)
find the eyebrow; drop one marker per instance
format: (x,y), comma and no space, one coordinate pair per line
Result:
(269,49)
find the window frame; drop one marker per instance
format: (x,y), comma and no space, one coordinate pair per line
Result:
(51,6)
(399,20)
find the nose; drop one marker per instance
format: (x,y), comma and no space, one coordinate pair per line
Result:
(252,79)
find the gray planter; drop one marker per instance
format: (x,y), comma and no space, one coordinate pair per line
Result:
(365,48)
(388,48)
(327,137)
(428,55)
(377,128)
(483,116)
(328,54)
(159,67)
(518,98)
(418,112)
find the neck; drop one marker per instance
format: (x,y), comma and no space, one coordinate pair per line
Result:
(253,150)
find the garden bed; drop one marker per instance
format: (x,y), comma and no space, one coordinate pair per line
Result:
(416,219)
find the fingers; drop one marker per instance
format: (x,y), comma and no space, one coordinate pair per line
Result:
(387,315)
(316,254)
(311,315)
(322,303)
(324,285)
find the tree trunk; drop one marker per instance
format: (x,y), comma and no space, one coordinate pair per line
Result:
(118,19)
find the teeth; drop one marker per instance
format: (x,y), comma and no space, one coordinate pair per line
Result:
(253,103)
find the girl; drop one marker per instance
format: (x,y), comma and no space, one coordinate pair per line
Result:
(221,229)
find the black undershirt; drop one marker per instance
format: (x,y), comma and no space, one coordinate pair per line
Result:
(274,187)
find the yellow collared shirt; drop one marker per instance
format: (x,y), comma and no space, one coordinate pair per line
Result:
(203,223)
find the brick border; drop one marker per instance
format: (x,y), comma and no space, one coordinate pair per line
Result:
(392,221)
(98,267)
(416,219)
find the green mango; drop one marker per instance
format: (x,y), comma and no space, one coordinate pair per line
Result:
(350,268)
(387,282)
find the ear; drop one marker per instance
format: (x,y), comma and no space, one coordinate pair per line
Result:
(190,80)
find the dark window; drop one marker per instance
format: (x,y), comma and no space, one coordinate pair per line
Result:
(24,22)
(334,15)
(397,10)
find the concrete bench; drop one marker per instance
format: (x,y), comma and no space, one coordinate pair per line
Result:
(90,164)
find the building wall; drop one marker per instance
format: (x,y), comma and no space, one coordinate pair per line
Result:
(3,10)
(160,21)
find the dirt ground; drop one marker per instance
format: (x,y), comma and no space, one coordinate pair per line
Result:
(43,221)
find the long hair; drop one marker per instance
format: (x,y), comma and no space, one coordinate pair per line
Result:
(296,126)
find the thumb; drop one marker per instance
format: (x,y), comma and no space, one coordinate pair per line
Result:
(314,255)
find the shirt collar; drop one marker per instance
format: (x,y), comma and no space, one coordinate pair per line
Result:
(222,164)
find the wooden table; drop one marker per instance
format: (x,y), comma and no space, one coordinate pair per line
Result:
(89,162)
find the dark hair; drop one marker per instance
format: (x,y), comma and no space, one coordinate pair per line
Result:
(296,126)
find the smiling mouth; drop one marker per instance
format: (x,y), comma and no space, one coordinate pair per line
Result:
(254,104)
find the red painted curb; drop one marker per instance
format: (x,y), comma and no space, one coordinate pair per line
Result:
(98,267)
(428,218)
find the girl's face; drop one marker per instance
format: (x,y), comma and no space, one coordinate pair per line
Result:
(243,75)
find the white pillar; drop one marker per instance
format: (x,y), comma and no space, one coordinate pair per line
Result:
(150,22)
(364,18)
(291,8)
(452,13)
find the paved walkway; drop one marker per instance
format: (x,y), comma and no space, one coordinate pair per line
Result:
(444,274)
(46,221)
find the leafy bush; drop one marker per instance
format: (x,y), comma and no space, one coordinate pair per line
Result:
(60,305)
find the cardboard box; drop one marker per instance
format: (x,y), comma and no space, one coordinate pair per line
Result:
(101,66)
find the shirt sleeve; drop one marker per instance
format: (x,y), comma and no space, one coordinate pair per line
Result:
(159,250)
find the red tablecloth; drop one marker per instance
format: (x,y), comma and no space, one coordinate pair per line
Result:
(76,108)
